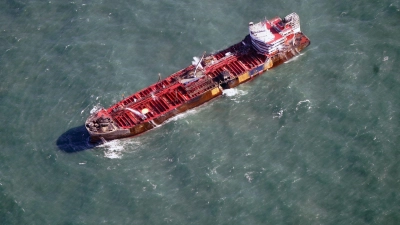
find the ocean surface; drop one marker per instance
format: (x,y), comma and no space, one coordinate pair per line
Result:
(313,141)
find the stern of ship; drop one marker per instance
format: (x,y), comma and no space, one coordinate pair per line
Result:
(101,127)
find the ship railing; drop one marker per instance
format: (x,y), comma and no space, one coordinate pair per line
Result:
(201,87)
(152,90)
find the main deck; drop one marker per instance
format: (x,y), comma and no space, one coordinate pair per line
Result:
(189,87)
(170,93)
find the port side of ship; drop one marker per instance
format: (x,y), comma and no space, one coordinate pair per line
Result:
(268,44)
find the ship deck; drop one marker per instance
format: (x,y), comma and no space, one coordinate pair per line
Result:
(169,93)
(187,88)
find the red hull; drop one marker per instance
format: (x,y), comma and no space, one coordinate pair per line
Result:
(188,88)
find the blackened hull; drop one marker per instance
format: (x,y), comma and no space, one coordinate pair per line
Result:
(143,127)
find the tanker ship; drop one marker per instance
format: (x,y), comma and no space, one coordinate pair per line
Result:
(268,44)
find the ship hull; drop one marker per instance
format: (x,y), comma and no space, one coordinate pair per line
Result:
(276,61)
(141,128)
(189,88)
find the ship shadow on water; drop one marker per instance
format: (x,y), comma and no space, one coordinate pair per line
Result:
(75,140)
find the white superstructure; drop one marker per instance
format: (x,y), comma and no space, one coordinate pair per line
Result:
(269,36)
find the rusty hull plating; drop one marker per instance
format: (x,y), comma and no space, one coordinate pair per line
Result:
(270,43)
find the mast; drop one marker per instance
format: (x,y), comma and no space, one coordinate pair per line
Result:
(199,63)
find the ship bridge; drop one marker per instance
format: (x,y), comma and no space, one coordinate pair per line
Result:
(269,36)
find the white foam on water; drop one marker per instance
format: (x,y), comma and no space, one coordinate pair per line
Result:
(96,108)
(114,149)
(235,93)
(249,176)
(294,58)
(301,102)
(181,115)
(278,114)
(229,92)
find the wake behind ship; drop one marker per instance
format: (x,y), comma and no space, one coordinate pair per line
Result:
(268,44)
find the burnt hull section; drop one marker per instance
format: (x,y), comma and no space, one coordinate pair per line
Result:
(143,127)
(202,81)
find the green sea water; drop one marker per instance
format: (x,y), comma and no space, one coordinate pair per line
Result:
(313,141)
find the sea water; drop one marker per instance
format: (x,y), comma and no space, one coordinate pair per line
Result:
(313,141)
